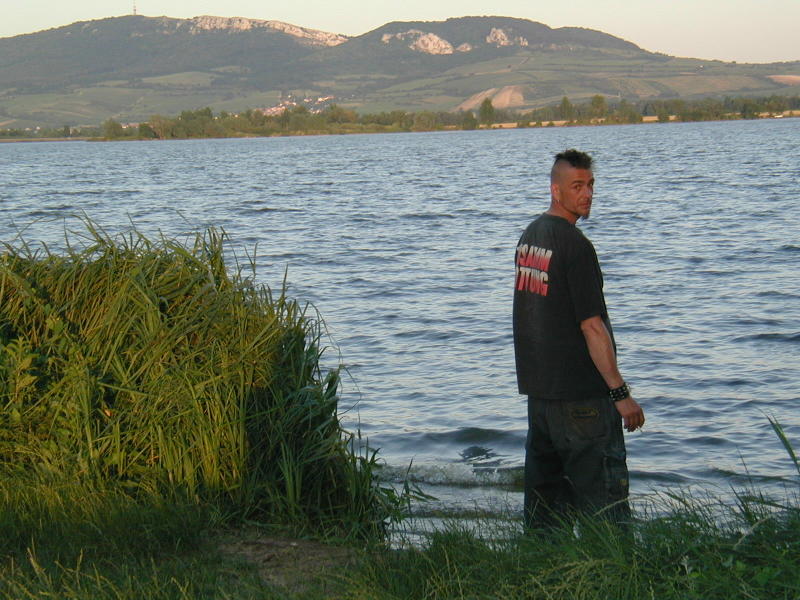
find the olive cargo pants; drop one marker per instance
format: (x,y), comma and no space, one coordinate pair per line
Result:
(574,461)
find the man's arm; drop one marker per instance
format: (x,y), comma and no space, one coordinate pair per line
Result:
(601,349)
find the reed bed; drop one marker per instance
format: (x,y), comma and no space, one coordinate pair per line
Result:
(683,555)
(680,547)
(151,367)
(151,394)
(69,540)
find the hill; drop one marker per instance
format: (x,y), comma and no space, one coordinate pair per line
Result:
(133,67)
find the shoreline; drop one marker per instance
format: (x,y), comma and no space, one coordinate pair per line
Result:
(32,140)
(646,120)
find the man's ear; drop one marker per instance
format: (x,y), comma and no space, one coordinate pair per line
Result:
(555,192)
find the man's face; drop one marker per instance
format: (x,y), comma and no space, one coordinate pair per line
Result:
(573,189)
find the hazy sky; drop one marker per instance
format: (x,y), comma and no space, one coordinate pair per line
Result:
(741,30)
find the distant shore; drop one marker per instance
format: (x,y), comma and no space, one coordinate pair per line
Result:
(50,139)
(647,119)
(504,125)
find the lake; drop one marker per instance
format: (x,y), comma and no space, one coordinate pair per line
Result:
(404,243)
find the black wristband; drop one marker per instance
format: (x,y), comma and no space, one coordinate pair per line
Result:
(619,393)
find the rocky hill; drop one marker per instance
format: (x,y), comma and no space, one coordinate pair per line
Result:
(132,47)
(133,67)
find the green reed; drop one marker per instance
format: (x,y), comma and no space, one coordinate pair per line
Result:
(68,539)
(151,366)
(149,394)
(680,547)
(676,557)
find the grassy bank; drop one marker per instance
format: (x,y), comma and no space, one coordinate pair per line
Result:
(166,424)
(151,393)
(692,550)
(70,540)
(687,554)
(679,547)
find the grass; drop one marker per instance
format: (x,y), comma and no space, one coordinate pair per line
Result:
(157,405)
(680,547)
(684,550)
(152,395)
(69,540)
(150,366)
(107,546)
(185,79)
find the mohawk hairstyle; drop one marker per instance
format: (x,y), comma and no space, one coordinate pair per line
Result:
(575,158)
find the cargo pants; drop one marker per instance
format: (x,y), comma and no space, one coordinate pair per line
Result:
(574,462)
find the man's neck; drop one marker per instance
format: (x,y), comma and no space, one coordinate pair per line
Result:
(556,210)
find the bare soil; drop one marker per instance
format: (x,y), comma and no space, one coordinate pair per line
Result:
(294,565)
(786,79)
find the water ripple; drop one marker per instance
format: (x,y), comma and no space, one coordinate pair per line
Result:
(405,245)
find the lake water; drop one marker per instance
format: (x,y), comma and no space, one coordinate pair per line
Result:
(405,244)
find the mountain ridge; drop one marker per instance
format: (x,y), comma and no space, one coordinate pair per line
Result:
(132,67)
(207,22)
(310,36)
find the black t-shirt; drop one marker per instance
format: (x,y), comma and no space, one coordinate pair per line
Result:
(558,285)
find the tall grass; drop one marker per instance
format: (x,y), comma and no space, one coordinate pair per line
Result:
(678,557)
(149,393)
(69,540)
(681,547)
(151,367)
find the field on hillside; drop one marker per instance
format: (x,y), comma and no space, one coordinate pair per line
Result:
(538,78)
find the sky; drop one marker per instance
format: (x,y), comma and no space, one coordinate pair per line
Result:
(740,30)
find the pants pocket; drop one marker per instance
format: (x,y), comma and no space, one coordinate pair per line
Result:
(616,474)
(585,420)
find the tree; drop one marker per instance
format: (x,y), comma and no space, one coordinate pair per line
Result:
(425,121)
(337,114)
(566,109)
(776,104)
(283,119)
(626,113)
(486,112)
(112,130)
(599,107)
(162,126)
(469,121)
(196,123)
(750,109)
(146,132)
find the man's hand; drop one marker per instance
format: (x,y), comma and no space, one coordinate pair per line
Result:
(632,414)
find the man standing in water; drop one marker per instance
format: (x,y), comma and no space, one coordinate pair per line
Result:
(566,362)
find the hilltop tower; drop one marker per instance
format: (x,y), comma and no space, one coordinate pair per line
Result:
(134,7)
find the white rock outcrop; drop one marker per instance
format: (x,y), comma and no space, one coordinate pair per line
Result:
(499,37)
(428,43)
(431,43)
(308,36)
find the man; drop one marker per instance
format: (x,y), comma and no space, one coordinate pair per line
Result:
(566,362)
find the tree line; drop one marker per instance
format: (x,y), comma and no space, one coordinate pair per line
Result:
(299,120)
(334,119)
(65,132)
(600,110)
